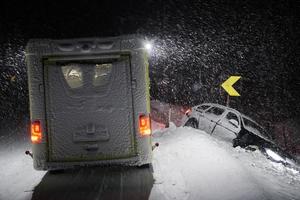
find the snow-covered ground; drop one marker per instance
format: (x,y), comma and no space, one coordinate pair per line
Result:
(17,176)
(188,164)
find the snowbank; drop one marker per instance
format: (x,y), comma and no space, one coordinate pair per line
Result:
(17,176)
(190,164)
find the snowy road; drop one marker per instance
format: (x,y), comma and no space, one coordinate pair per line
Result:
(188,164)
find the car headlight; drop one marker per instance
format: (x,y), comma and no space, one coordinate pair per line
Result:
(291,162)
(274,155)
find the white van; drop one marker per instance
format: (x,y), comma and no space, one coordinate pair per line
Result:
(89,102)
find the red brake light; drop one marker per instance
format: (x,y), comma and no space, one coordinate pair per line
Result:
(144,125)
(188,112)
(36,132)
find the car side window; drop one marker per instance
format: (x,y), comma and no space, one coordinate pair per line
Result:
(252,126)
(233,116)
(202,107)
(215,110)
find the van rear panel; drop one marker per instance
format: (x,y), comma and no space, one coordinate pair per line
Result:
(89,102)
(89,109)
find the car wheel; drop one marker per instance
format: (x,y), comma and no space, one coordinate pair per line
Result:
(242,142)
(192,123)
(145,166)
(56,171)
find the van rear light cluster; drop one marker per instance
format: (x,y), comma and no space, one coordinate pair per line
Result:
(36,132)
(145,125)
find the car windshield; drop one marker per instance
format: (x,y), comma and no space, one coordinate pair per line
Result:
(254,127)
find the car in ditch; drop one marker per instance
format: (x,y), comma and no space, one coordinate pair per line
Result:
(230,125)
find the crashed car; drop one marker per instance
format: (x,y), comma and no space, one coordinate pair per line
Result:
(230,125)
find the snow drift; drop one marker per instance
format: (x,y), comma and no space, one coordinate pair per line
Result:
(190,164)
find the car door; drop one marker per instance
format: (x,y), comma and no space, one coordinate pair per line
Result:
(228,127)
(199,113)
(210,118)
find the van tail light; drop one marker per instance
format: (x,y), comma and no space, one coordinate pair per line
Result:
(145,125)
(36,132)
(188,112)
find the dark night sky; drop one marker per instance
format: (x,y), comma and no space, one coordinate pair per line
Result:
(203,42)
(56,19)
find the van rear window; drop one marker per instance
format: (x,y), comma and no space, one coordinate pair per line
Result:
(73,75)
(102,74)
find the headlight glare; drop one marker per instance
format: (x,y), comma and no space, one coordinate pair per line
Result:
(274,155)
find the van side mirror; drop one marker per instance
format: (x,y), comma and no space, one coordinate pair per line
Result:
(234,123)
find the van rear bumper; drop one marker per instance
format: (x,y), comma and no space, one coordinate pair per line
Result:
(40,164)
(41,158)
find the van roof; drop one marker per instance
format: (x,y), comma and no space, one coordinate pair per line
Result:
(89,44)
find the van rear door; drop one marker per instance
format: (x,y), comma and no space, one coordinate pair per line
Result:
(89,108)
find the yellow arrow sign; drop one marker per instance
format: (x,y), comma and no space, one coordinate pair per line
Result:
(227,86)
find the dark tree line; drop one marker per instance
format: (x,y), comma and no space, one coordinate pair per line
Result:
(259,41)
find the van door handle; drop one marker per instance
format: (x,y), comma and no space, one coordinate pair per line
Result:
(91,147)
